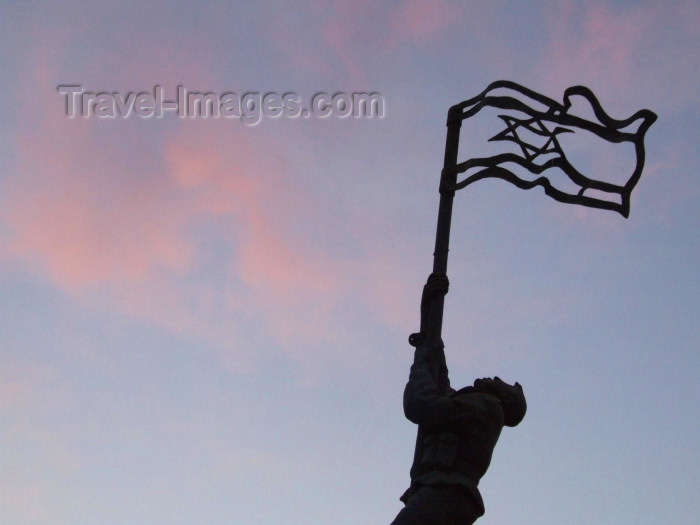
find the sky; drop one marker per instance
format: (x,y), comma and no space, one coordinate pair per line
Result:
(205,320)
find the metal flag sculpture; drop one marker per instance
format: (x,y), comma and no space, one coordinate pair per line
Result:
(543,121)
(529,153)
(458,429)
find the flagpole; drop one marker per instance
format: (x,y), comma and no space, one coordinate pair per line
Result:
(448,180)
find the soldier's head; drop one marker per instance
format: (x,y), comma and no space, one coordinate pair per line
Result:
(511,396)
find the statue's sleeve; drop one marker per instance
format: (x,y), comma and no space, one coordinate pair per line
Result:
(423,403)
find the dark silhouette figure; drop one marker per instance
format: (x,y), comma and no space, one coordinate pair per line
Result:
(457,432)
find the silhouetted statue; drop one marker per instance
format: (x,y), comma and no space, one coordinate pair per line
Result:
(457,432)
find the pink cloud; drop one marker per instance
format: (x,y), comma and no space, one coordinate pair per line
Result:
(423,19)
(81,217)
(346,31)
(68,206)
(108,211)
(355,34)
(614,49)
(292,278)
(69,213)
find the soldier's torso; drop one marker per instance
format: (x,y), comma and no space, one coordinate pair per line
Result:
(450,457)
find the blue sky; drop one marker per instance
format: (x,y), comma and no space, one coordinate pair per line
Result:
(206,322)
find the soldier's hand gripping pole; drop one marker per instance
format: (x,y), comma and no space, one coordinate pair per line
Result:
(434,292)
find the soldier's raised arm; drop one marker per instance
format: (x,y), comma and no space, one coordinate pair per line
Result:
(423,402)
